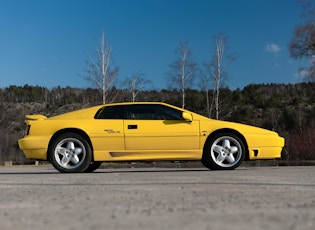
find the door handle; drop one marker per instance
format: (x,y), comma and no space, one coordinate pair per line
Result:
(132,126)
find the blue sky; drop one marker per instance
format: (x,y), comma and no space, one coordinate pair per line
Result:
(46,42)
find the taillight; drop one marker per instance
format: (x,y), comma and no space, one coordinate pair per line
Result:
(27,130)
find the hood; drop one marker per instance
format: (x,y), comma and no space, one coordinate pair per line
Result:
(244,129)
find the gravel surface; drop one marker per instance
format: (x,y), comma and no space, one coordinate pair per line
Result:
(158,198)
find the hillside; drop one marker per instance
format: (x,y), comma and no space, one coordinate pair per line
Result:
(287,109)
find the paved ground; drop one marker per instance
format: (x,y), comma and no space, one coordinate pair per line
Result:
(158,198)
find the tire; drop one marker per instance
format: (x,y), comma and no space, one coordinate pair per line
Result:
(93,166)
(70,153)
(224,151)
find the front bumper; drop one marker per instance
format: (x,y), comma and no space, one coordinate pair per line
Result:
(267,148)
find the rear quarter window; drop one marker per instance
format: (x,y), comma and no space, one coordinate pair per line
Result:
(110,112)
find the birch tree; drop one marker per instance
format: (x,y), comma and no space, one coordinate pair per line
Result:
(216,71)
(183,69)
(100,73)
(205,87)
(136,83)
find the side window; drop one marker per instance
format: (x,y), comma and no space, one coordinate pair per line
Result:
(151,112)
(110,112)
(139,112)
(142,112)
(170,113)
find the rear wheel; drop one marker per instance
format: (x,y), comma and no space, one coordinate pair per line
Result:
(225,151)
(70,153)
(93,166)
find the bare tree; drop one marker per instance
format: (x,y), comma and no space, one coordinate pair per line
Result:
(136,83)
(205,86)
(99,71)
(308,8)
(183,69)
(302,44)
(216,71)
(3,108)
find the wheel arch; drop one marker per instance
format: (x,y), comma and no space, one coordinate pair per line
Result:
(232,131)
(70,130)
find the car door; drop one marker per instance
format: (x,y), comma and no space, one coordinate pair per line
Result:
(158,127)
(108,131)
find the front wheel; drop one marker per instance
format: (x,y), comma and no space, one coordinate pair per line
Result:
(70,153)
(225,151)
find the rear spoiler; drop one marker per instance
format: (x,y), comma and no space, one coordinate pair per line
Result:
(35,117)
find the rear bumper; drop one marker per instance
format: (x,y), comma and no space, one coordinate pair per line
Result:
(34,147)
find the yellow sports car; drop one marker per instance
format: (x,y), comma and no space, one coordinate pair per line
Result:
(80,141)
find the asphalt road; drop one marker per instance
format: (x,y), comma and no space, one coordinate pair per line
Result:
(158,198)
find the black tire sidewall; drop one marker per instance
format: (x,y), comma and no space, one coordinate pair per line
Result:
(93,166)
(86,161)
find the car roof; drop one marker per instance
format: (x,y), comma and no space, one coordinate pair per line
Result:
(91,111)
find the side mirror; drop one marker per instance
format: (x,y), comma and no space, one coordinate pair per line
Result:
(187,116)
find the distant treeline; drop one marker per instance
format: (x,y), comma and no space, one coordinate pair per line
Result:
(287,109)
